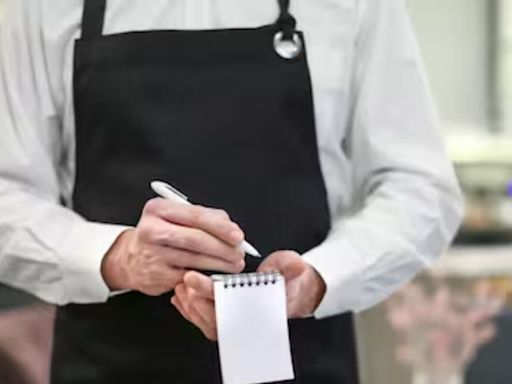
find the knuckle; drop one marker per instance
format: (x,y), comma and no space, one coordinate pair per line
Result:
(152,206)
(191,241)
(151,232)
(197,214)
(235,256)
(145,253)
(236,234)
(241,266)
(156,235)
(144,229)
(221,214)
(176,239)
(237,267)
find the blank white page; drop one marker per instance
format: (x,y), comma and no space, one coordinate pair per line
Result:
(254,342)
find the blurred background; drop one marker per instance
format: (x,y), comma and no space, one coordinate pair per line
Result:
(453,324)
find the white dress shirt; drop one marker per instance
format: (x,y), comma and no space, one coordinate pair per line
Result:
(394,200)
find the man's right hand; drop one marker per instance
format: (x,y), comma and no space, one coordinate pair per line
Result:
(170,239)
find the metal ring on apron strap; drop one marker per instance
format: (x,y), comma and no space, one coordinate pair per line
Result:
(287,49)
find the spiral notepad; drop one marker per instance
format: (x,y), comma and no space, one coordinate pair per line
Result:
(252,326)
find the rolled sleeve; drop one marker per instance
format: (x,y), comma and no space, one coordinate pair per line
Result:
(341,269)
(82,255)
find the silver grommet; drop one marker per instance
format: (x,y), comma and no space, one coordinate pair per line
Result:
(287,49)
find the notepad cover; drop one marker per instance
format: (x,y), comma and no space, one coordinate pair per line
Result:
(252,325)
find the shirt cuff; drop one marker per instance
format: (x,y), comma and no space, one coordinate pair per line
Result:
(342,270)
(119,293)
(83,252)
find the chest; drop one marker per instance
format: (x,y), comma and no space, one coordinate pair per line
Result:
(330,26)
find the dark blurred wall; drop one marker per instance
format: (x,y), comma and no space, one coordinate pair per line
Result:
(493,364)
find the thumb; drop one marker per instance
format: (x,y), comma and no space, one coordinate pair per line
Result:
(288,263)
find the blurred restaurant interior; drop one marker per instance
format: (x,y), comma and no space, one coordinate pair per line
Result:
(427,333)
(453,324)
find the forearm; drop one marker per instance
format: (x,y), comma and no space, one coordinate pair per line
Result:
(50,251)
(405,225)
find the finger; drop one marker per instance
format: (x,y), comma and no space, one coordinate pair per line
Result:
(202,284)
(180,307)
(177,304)
(212,221)
(181,294)
(204,307)
(197,241)
(182,301)
(188,303)
(288,263)
(207,328)
(179,258)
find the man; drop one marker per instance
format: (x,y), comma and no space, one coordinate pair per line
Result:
(329,163)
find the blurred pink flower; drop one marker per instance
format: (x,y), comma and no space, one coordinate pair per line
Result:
(441,331)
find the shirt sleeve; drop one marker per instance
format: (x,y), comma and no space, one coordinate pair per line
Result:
(45,248)
(407,203)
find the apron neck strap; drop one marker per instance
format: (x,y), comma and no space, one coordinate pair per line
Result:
(286,21)
(93,18)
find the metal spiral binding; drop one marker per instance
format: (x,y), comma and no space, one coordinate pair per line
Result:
(242,280)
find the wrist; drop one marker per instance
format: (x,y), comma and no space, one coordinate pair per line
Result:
(113,268)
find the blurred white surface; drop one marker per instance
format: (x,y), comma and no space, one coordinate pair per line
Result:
(476,261)
(453,37)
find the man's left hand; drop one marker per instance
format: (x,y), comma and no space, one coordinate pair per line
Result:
(305,290)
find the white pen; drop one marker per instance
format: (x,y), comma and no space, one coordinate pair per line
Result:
(170,193)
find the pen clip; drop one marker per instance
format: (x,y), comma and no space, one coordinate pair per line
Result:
(161,185)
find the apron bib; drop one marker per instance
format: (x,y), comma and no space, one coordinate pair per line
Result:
(227,117)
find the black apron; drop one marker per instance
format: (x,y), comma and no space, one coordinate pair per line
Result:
(227,117)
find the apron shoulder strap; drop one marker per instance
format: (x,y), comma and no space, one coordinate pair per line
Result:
(286,21)
(93,18)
